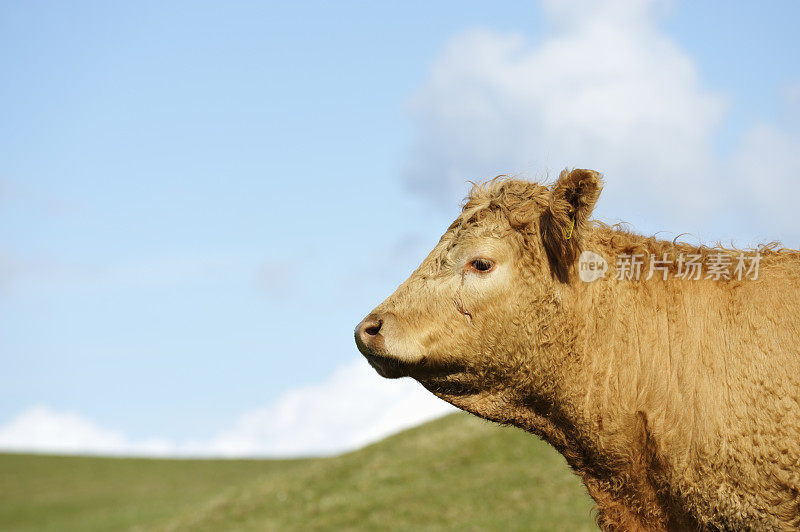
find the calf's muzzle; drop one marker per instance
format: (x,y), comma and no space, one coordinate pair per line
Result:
(372,344)
(369,339)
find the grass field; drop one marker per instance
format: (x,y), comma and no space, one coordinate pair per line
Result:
(454,473)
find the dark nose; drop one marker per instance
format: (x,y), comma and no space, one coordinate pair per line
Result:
(368,333)
(371,325)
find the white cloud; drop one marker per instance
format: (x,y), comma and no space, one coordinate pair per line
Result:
(352,408)
(606,88)
(766,171)
(43,429)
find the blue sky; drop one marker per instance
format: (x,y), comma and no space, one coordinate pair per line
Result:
(199,200)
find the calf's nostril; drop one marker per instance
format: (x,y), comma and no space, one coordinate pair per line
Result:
(373,327)
(368,334)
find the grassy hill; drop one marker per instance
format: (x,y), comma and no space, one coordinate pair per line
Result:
(454,473)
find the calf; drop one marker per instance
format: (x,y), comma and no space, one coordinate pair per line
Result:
(674,396)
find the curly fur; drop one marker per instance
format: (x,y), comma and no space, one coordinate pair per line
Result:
(677,402)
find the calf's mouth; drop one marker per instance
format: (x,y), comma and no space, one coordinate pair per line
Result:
(371,342)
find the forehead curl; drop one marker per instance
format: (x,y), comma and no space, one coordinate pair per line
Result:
(492,209)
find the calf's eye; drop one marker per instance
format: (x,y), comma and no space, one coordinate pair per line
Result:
(481,265)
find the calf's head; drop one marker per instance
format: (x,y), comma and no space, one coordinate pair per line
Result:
(484,305)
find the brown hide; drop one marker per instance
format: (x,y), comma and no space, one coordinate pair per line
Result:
(676,401)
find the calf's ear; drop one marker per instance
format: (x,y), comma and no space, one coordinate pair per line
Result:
(565,220)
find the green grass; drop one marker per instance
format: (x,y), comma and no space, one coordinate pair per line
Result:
(454,473)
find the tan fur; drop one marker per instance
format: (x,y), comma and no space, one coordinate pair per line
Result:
(677,402)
